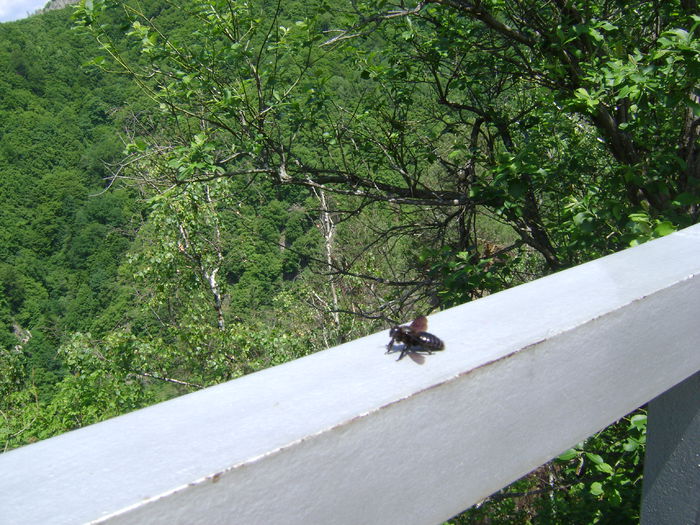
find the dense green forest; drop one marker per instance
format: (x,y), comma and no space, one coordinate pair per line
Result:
(60,247)
(192,191)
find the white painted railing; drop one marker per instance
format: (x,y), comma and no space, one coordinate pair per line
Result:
(352,436)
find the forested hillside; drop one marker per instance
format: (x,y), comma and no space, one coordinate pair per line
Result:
(226,185)
(96,268)
(59,247)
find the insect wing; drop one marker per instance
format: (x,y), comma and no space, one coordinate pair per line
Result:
(417,358)
(420,324)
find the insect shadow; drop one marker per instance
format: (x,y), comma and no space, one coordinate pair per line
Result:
(417,356)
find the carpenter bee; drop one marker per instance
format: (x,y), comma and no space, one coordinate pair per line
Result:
(414,338)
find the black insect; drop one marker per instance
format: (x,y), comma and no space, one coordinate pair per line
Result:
(414,338)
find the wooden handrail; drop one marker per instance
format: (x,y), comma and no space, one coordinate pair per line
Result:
(351,435)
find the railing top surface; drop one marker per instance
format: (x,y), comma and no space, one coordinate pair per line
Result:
(161,450)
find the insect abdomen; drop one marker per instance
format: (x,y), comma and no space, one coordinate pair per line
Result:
(431,342)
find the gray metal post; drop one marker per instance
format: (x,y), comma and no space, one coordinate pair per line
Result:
(671,493)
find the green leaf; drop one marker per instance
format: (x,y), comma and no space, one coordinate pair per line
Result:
(604,468)
(630,445)
(596,459)
(596,488)
(615,497)
(568,455)
(638,421)
(585,97)
(664,228)
(595,35)
(607,26)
